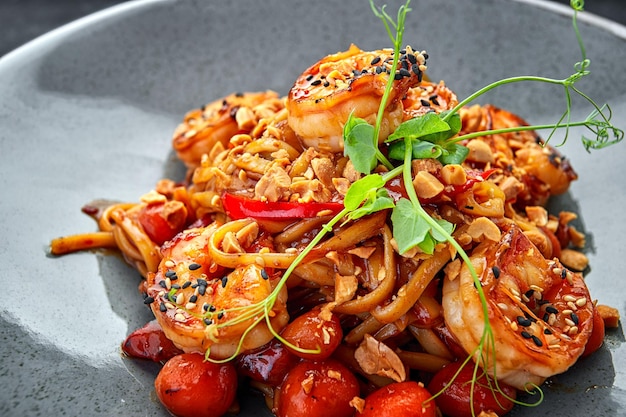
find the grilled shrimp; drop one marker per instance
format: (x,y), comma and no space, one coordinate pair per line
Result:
(428,97)
(190,297)
(218,121)
(348,82)
(540,313)
(540,170)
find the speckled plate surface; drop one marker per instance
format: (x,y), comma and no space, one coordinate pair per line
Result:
(87,112)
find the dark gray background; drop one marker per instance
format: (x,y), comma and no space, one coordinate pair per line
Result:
(23,20)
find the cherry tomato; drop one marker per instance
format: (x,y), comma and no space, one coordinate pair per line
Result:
(160,223)
(189,386)
(597,334)
(310,331)
(400,399)
(240,207)
(316,389)
(455,400)
(269,363)
(150,342)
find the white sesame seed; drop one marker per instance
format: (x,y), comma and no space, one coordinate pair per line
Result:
(572,305)
(572,330)
(568,298)
(581,302)
(569,322)
(179,317)
(567,312)
(189,306)
(169,263)
(180,298)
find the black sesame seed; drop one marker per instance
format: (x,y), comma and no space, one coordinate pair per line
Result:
(529,293)
(201,281)
(205,307)
(537,341)
(404,72)
(201,289)
(425,55)
(224,281)
(546,317)
(563,273)
(309,77)
(208,321)
(238,94)
(193,298)
(148,300)
(186,284)
(220,315)
(264,274)
(212,309)
(176,286)
(171,274)
(416,69)
(547,331)
(398,76)
(420,76)
(162,307)
(194,266)
(526,335)
(412,58)
(316,82)
(326,83)
(496,272)
(575,319)
(425,103)
(375,61)
(162,284)
(529,317)
(552,310)
(523,321)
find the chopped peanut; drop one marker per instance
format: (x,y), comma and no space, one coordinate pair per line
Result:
(453,174)
(610,315)
(427,185)
(574,259)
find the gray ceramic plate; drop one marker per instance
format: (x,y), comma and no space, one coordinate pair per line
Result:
(87,112)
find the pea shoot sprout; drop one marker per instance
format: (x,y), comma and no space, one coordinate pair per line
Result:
(429,136)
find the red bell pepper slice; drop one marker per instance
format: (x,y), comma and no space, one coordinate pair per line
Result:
(240,207)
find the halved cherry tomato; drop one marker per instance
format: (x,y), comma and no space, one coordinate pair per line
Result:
(189,386)
(316,389)
(240,207)
(309,331)
(150,342)
(400,399)
(597,334)
(455,400)
(268,364)
(162,221)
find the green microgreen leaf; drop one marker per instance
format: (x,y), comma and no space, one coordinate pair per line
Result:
(367,196)
(359,144)
(454,154)
(429,123)
(409,229)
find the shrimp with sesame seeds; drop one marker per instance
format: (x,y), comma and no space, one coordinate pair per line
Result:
(350,82)
(218,121)
(202,306)
(540,314)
